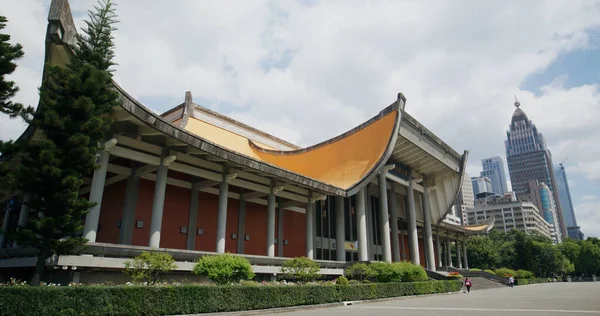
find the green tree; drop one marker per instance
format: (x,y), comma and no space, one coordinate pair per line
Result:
(301,268)
(149,267)
(8,55)
(224,269)
(570,249)
(73,115)
(483,253)
(589,257)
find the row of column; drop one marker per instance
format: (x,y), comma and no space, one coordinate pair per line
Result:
(464,263)
(390,246)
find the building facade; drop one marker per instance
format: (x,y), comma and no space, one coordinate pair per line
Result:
(493,168)
(509,214)
(481,185)
(566,203)
(540,195)
(529,159)
(466,199)
(193,182)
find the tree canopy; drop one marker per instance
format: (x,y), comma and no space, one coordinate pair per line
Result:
(73,117)
(518,250)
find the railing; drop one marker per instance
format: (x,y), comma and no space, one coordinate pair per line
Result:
(435,275)
(481,274)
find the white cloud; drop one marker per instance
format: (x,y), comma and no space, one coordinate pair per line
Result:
(588,217)
(459,63)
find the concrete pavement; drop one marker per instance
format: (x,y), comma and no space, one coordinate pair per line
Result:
(537,299)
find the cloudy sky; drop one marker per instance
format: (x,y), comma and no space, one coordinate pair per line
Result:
(307,70)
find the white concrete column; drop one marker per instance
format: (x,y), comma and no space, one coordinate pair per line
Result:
(4,227)
(160,187)
(361,228)
(394,224)
(448,253)
(458,261)
(222,213)
(271,225)
(241,223)
(96,191)
(129,208)
(310,219)
(193,217)
(466,265)
(280,238)
(427,234)
(24,215)
(438,248)
(340,229)
(413,241)
(384,217)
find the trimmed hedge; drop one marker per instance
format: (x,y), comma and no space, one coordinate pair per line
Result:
(530,281)
(192,299)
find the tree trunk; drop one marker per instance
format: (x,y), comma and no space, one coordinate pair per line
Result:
(41,264)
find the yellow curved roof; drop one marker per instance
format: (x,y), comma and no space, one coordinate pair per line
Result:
(341,162)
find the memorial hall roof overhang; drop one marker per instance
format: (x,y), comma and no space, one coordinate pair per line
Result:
(339,166)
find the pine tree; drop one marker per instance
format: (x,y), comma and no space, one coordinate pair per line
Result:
(73,114)
(8,54)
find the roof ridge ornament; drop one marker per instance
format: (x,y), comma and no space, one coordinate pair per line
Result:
(517,103)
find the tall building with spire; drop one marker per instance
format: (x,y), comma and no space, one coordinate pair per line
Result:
(528,159)
(493,168)
(566,203)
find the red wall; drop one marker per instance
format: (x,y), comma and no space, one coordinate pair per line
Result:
(175,214)
(110,212)
(294,230)
(422,252)
(256,228)
(143,212)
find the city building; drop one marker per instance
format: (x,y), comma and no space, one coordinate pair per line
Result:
(466,199)
(529,159)
(493,168)
(193,182)
(539,194)
(509,214)
(481,185)
(566,203)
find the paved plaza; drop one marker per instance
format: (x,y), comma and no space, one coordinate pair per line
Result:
(537,299)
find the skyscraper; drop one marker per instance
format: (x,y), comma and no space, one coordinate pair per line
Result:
(466,198)
(566,203)
(481,185)
(528,159)
(493,168)
(540,195)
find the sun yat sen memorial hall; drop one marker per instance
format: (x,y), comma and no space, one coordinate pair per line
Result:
(193,182)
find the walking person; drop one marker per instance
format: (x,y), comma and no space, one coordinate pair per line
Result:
(468,285)
(511,281)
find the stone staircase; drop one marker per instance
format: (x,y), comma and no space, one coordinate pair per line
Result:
(480,283)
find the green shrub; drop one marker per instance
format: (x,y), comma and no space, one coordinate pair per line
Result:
(489,271)
(386,272)
(365,281)
(524,274)
(454,276)
(149,266)
(360,271)
(342,280)
(475,269)
(301,269)
(505,272)
(224,269)
(353,282)
(411,272)
(398,272)
(194,299)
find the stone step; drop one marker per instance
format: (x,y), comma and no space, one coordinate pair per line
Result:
(480,283)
